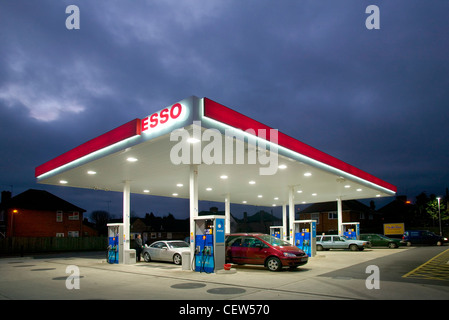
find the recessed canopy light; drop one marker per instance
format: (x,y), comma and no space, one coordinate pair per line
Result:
(282,166)
(63,181)
(359,189)
(347,186)
(91,172)
(208,189)
(224,177)
(314,194)
(244,201)
(299,191)
(252,182)
(259,196)
(303,202)
(146,191)
(174,194)
(276,198)
(192,140)
(307,174)
(377,195)
(131,159)
(273,205)
(179,185)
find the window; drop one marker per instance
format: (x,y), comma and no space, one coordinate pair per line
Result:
(60,235)
(74,215)
(316,217)
(362,215)
(326,238)
(59,216)
(332,215)
(73,234)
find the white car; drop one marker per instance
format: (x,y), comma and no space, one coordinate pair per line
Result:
(166,250)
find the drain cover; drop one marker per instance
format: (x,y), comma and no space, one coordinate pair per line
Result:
(226,290)
(189,285)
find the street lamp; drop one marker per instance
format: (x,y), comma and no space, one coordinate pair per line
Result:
(439,215)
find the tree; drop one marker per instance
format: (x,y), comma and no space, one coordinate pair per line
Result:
(101,219)
(432,209)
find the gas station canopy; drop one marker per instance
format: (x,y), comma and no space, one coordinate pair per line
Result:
(230,152)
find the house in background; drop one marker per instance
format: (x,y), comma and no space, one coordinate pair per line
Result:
(38,213)
(326,216)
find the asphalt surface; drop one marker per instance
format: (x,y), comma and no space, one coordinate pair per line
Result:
(330,275)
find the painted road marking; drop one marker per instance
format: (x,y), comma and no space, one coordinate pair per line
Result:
(436,268)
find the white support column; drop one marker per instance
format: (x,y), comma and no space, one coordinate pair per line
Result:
(227,214)
(193,190)
(126,212)
(291,213)
(284,222)
(339,216)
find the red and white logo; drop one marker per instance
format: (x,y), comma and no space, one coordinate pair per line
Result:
(167,115)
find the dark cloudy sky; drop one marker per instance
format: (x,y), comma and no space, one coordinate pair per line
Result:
(377,99)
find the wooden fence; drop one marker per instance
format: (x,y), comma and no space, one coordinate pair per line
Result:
(24,245)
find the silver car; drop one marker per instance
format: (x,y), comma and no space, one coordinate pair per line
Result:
(327,242)
(166,250)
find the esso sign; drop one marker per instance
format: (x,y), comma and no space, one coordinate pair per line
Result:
(166,115)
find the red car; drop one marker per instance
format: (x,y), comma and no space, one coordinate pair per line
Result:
(263,249)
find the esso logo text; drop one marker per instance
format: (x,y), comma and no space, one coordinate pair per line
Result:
(164,116)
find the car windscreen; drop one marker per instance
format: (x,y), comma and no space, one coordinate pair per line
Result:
(274,241)
(180,244)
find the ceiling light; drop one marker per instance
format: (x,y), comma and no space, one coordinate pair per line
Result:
(91,172)
(146,191)
(377,195)
(131,159)
(282,166)
(303,202)
(359,189)
(347,186)
(192,140)
(208,189)
(299,191)
(244,201)
(273,205)
(174,194)
(63,181)
(252,182)
(307,174)
(314,194)
(179,185)
(259,196)
(223,177)
(277,198)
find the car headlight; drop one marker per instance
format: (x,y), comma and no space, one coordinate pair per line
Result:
(288,254)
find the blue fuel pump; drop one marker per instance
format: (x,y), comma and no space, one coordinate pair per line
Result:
(351,230)
(209,255)
(115,246)
(305,238)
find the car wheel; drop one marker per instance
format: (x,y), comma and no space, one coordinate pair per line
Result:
(146,257)
(353,247)
(409,244)
(439,243)
(392,245)
(177,259)
(274,264)
(319,247)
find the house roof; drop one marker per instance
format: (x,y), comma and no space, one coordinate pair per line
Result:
(41,200)
(347,205)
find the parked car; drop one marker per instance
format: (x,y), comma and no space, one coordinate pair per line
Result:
(379,240)
(327,242)
(412,237)
(263,249)
(167,250)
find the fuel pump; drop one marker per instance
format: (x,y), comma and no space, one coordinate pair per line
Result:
(304,236)
(115,243)
(351,230)
(209,254)
(276,231)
